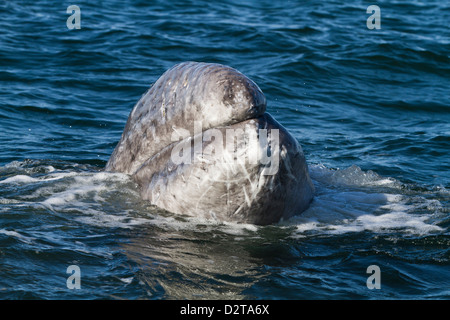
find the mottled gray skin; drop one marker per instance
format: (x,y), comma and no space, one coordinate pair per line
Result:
(214,94)
(211,185)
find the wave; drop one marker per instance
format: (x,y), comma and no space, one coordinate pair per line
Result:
(353,200)
(347,201)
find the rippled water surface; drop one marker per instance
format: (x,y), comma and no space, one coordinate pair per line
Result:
(371,109)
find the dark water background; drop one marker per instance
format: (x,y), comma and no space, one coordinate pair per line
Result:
(371,109)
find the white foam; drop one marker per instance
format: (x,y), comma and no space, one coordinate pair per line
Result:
(127,280)
(351,176)
(92,198)
(71,194)
(347,200)
(187,223)
(28,166)
(102,219)
(398,221)
(350,200)
(18,180)
(25,179)
(16,235)
(87,193)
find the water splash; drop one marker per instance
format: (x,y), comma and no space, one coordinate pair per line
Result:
(353,200)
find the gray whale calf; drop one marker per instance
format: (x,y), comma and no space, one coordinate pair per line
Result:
(199,142)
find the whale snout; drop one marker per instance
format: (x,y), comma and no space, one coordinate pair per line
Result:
(242,93)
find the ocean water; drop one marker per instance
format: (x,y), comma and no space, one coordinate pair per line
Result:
(370,107)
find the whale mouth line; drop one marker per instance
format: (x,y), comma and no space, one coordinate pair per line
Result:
(235,160)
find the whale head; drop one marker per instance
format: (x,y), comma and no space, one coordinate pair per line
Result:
(187,106)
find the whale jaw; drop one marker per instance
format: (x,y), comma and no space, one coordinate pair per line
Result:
(229,186)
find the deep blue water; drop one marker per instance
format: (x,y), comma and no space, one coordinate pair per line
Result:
(370,107)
